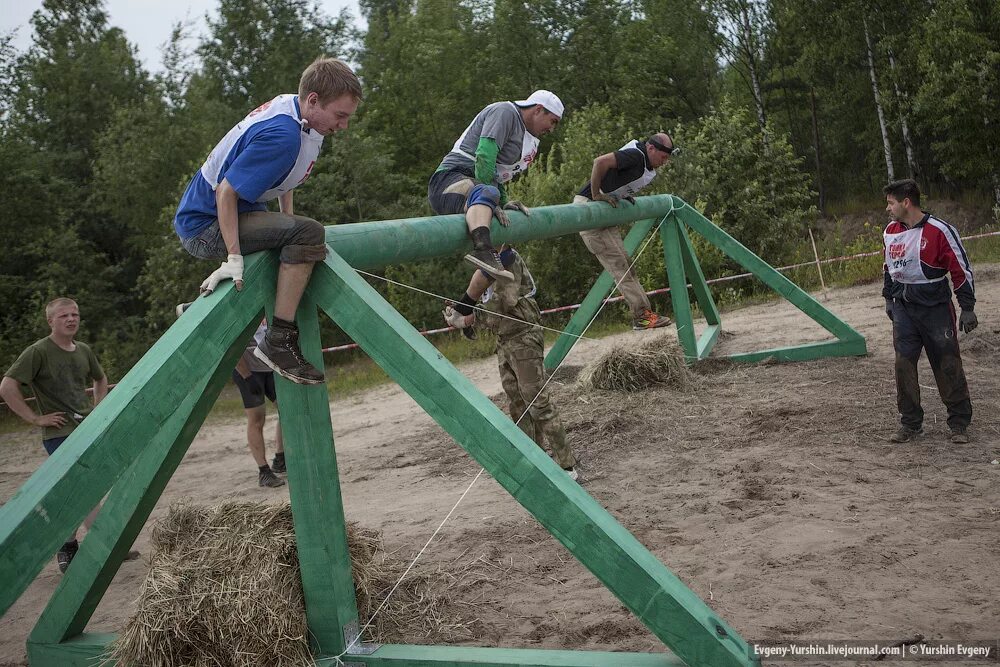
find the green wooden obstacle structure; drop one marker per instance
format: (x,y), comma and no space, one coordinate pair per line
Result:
(133,441)
(683,269)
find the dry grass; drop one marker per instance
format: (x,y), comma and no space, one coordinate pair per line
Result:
(657,362)
(224,590)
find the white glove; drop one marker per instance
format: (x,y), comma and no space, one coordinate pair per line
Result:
(453,318)
(231,269)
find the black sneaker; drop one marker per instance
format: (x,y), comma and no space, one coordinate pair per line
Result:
(278,462)
(488,260)
(182,308)
(266,477)
(470,333)
(280,351)
(906,434)
(65,555)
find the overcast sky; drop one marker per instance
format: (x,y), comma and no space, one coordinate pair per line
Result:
(147,23)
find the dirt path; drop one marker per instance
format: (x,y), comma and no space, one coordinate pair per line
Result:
(770,489)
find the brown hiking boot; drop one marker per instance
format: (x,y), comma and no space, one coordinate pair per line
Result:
(650,320)
(959,436)
(280,351)
(906,434)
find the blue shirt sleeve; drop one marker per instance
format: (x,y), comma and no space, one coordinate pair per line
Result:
(264,160)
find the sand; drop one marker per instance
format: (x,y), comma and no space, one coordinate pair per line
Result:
(771,490)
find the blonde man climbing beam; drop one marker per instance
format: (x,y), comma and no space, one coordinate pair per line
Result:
(617,176)
(499,144)
(223,214)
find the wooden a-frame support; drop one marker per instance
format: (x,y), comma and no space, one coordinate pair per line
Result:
(132,443)
(683,268)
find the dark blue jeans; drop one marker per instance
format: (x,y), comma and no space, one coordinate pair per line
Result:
(52,444)
(931,328)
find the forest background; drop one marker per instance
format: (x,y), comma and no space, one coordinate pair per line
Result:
(786,111)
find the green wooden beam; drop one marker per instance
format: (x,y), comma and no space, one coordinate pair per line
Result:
(317,506)
(692,268)
(399,655)
(57,497)
(86,650)
(130,502)
(832,348)
(707,340)
(602,288)
(672,257)
(776,281)
(369,245)
(659,599)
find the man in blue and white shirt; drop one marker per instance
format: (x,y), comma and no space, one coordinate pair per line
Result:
(223,213)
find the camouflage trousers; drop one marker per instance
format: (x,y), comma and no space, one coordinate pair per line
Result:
(522,376)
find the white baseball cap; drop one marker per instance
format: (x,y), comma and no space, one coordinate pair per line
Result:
(546,98)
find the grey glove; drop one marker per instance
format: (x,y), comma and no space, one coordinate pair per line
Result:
(967,321)
(888,308)
(514,205)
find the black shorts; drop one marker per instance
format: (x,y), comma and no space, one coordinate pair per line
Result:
(255,388)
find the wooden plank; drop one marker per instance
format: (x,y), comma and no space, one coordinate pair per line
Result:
(130,502)
(591,304)
(314,490)
(707,340)
(762,270)
(696,276)
(55,500)
(658,598)
(832,348)
(670,234)
(86,650)
(393,655)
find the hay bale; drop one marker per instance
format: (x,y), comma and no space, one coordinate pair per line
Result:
(224,590)
(629,368)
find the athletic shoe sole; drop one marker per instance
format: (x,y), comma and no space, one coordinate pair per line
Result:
(489,269)
(282,372)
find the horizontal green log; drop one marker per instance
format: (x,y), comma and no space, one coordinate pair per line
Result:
(370,245)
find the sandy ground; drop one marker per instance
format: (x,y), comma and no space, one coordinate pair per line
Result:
(770,489)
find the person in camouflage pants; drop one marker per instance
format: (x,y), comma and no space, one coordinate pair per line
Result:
(520,352)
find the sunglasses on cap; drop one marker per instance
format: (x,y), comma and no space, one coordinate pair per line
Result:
(660,147)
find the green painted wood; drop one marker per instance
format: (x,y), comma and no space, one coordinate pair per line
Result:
(130,502)
(393,655)
(707,340)
(658,598)
(86,650)
(591,304)
(692,267)
(762,270)
(54,500)
(314,490)
(833,348)
(670,234)
(369,245)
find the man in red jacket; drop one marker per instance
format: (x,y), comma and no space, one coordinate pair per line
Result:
(921,251)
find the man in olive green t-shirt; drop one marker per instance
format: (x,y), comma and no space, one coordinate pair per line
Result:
(58,369)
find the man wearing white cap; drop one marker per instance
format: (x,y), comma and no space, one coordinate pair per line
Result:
(499,144)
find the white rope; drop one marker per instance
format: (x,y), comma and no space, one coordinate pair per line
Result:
(479,308)
(482,470)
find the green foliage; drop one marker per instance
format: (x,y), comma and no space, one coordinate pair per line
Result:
(756,192)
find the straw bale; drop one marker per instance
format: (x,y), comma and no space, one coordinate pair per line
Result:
(224,590)
(658,361)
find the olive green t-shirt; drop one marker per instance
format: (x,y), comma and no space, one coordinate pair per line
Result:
(59,380)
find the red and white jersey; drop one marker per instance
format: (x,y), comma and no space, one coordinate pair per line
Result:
(928,252)
(925,253)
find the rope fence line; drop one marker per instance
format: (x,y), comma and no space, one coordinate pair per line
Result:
(665,290)
(616,299)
